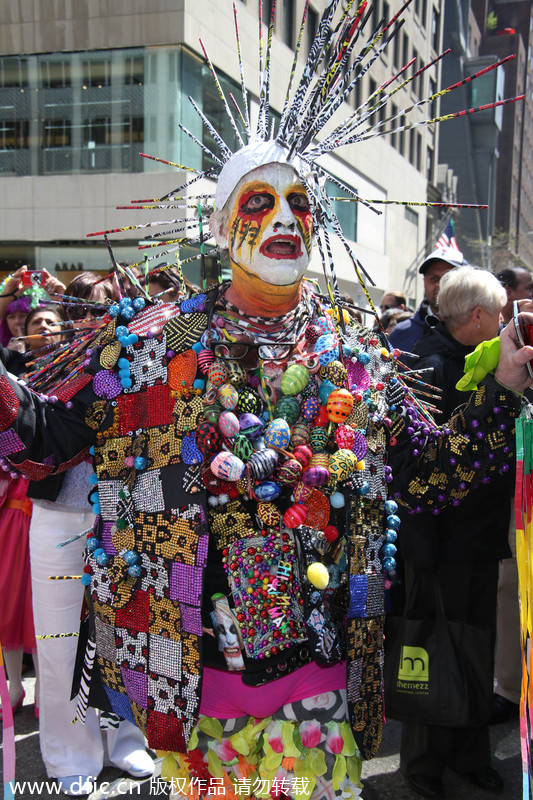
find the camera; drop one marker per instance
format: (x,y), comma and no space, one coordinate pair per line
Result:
(33,277)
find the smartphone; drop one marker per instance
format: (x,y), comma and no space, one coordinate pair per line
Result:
(524,333)
(33,277)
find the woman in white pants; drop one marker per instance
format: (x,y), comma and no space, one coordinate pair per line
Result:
(73,754)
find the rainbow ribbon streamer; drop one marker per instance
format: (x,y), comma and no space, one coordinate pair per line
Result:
(524,543)
(8,735)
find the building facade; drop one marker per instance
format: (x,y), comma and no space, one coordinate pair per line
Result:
(86,86)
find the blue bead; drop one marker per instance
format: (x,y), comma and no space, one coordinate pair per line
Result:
(125,302)
(93,544)
(391,535)
(364,488)
(337,500)
(91,450)
(346,351)
(140,462)
(326,388)
(134,571)
(113,311)
(126,383)
(97,508)
(128,313)
(86,579)
(102,559)
(120,331)
(391,507)
(389,564)
(388,549)
(139,303)
(198,383)
(197,347)
(123,363)
(131,339)
(393,521)
(93,479)
(130,557)
(363,358)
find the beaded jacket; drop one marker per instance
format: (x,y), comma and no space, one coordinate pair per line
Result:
(261,519)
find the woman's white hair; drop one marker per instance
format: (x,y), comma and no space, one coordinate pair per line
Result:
(463,289)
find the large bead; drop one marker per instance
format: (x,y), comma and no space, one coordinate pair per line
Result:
(300,434)
(208,438)
(251,426)
(317,473)
(278,433)
(294,379)
(294,516)
(227,467)
(335,372)
(217,373)
(345,436)
(267,490)
(249,402)
(290,472)
(318,439)
(339,405)
(302,492)
(263,463)
(269,514)
(228,396)
(310,408)
(242,447)
(237,375)
(326,348)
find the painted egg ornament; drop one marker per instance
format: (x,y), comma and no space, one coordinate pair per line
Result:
(294,380)
(208,439)
(249,402)
(251,426)
(278,433)
(269,514)
(300,434)
(287,408)
(318,575)
(342,464)
(228,396)
(326,325)
(312,332)
(345,437)
(302,492)
(326,348)
(242,447)
(227,467)
(326,388)
(228,424)
(303,454)
(205,359)
(317,473)
(318,439)
(339,405)
(335,372)
(290,472)
(237,375)
(217,373)
(294,516)
(322,418)
(263,463)
(267,490)
(212,412)
(310,408)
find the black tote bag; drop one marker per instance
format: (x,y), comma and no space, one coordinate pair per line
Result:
(436,671)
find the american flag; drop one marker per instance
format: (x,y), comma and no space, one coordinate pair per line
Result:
(447,238)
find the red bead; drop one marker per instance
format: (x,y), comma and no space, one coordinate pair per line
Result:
(251,631)
(380,386)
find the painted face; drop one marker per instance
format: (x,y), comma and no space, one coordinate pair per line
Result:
(270,225)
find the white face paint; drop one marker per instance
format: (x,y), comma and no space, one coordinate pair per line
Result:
(269,232)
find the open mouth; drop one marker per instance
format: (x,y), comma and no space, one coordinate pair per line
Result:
(285,247)
(232,652)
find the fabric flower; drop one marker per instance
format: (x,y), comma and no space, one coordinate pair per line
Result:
(275,738)
(324,701)
(310,733)
(334,740)
(224,750)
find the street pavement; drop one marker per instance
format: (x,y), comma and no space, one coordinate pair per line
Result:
(381,775)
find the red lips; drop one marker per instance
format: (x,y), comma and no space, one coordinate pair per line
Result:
(282,247)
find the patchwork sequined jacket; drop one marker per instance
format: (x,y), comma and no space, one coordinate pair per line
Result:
(164,520)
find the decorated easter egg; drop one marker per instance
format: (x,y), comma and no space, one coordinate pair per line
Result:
(300,433)
(303,454)
(312,332)
(335,372)
(318,575)
(290,472)
(208,438)
(317,473)
(326,348)
(205,359)
(345,436)
(294,516)
(228,396)
(310,408)
(242,447)
(302,492)
(227,466)
(295,378)
(263,463)
(267,490)
(322,418)
(326,325)
(269,514)
(342,464)
(326,388)
(287,408)
(318,439)
(236,374)
(251,426)
(278,433)
(339,405)
(249,402)
(212,412)
(217,373)
(228,424)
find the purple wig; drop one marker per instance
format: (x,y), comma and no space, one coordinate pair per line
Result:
(22,304)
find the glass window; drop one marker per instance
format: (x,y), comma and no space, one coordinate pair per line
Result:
(429,164)
(435,30)
(288,22)
(97,73)
(346,212)
(57,133)
(14,135)
(267,11)
(55,74)
(13,72)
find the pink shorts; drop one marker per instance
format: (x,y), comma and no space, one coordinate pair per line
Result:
(225,696)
